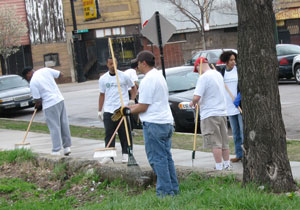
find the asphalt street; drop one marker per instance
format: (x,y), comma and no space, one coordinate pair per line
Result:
(81,100)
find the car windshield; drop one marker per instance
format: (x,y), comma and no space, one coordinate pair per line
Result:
(212,56)
(287,49)
(182,81)
(12,82)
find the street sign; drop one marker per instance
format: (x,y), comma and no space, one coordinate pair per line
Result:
(150,30)
(82,31)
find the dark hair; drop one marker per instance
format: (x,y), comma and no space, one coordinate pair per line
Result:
(225,56)
(25,71)
(133,64)
(146,56)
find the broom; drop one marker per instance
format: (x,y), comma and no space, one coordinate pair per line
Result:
(131,159)
(108,151)
(24,145)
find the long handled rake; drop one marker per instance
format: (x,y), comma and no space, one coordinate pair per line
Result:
(195,134)
(131,159)
(196,121)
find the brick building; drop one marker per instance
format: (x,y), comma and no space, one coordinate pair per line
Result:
(17,61)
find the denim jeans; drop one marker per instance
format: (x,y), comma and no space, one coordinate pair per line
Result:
(158,149)
(236,124)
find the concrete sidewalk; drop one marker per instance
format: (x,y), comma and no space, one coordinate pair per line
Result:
(84,149)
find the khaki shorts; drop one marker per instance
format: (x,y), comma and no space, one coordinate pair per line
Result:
(214,132)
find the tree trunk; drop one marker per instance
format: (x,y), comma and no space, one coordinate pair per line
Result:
(5,65)
(265,156)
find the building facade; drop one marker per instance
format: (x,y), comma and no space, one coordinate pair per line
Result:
(288,21)
(17,61)
(96,21)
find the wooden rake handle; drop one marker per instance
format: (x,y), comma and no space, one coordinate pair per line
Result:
(28,128)
(196,127)
(119,88)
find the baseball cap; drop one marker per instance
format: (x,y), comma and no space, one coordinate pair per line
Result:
(133,64)
(144,55)
(197,62)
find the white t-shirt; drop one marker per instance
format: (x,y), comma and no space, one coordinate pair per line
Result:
(109,86)
(153,90)
(131,73)
(231,80)
(43,85)
(210,88)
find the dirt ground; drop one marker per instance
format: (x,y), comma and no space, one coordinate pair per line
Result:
(51,180)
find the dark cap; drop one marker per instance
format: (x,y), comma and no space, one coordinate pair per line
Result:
(145,55)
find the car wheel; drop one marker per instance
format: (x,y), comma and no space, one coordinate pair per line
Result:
(297,74)
(177,128)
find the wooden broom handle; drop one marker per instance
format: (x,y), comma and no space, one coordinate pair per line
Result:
(112,137)
(119,88)
(35,110)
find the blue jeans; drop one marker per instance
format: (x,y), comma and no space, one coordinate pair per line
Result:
(158,149)
(236,124)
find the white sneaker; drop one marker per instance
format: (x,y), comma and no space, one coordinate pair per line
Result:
(67,151)
(55,153)
(125,158)
(106,160)
(228,168)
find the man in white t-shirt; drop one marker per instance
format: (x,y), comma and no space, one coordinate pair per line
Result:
(46,93)
(109,101)
(210,93)
(156,115)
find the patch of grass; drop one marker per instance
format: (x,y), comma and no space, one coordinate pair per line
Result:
(179,140)
(18,155)
(59,172)
(196,192)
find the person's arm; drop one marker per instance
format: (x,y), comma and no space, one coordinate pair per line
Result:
(133,92)
(38,103)
(101,101)
(194,101)
(138,108)
(61,75)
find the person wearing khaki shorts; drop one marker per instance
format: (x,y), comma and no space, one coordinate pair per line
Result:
(214,133)
(210,94)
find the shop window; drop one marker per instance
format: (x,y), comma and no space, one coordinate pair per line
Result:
(51,60)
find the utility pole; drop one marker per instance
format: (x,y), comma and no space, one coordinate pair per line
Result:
(78,61)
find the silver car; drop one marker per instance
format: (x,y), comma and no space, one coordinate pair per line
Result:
(14,93)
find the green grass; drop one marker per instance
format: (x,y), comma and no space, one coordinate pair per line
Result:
(18,155)
(196,192)
(179,140)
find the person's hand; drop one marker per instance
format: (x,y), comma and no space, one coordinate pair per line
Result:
(131,102)
(118,113)
(192,104)
(237,100)
(100,115)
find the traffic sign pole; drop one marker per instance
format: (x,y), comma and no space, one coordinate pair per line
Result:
(160,43)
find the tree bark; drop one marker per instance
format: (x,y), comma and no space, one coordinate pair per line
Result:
(265,159)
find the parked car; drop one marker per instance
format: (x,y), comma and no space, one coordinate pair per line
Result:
(14,93)
(213,57)
(181,83)
(296,68)
(285,57)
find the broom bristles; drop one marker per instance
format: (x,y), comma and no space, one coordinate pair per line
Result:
(106,152)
